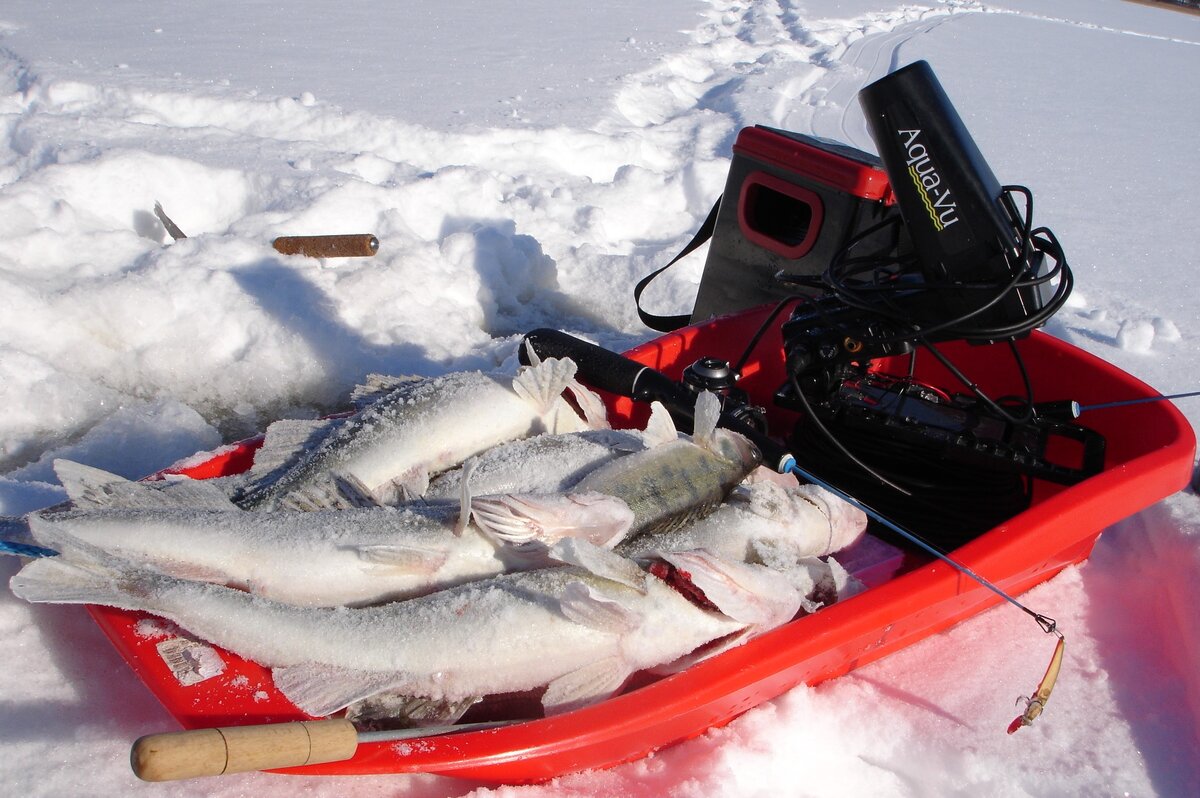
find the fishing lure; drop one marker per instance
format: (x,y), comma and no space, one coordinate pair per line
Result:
(1035,703)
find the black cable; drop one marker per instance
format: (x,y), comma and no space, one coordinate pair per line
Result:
(832,439)
(893,279)
(766,325)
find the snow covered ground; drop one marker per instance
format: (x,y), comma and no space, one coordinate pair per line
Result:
(524,164)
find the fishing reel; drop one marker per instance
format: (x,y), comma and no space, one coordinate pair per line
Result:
(719,377)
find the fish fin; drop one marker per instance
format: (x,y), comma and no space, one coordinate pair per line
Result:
(535,359)
(600,561)
(587,685)
(378,386)
(338,492)
(821,582)
(54,581)
(409,486)
(194,493)
(750,594)
(395,709)
(532,517)
(708,411)
(87,486)
(583,605)
(595,414)
(543,384)
(706,651)
(845,584)
(321,690)
(405,557)
(464,496)
(660,428)
(285,441)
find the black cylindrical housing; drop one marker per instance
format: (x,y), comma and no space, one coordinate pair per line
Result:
(961,224)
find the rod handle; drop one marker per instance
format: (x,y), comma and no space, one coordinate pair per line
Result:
(238,749)
(358,245)
(608,370)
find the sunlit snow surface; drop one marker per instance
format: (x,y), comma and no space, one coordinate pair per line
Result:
(524,164)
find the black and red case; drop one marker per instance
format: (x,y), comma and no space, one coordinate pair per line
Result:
(791,203)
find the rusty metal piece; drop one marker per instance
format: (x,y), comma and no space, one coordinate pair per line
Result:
(359,245)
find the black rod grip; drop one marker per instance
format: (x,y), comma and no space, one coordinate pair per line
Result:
(608,371)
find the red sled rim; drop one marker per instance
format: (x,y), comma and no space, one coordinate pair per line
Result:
(1150,455)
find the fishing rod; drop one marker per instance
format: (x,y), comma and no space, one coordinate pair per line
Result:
(617,374)
(1072,409)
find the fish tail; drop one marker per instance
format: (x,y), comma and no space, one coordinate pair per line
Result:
(45,531)
(89,576)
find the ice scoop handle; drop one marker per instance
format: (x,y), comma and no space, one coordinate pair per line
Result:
(238,749)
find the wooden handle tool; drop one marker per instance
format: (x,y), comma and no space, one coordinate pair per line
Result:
(238,749)
(359,245)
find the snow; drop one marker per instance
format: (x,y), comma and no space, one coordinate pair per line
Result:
(524,164)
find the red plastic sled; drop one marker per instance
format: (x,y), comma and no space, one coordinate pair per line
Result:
(1150,456)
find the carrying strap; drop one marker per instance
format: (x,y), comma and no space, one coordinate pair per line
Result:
(670,323)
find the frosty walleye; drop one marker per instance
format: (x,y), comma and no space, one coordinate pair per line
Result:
(941,209)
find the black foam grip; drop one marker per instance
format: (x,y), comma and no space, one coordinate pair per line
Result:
(608,371)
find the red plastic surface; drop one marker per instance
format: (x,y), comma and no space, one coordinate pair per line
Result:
(750,195)
(1150,454)
(793,155)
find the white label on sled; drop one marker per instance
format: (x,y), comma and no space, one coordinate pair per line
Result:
(189,660)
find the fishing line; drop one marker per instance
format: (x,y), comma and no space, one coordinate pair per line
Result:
(1048,624)
(1035,703)
(1142,401)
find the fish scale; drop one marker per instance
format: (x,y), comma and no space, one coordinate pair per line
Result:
(676,481)
(679,484)
(581,630)
(390,447)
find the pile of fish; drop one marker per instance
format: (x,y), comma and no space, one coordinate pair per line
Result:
(456,537)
